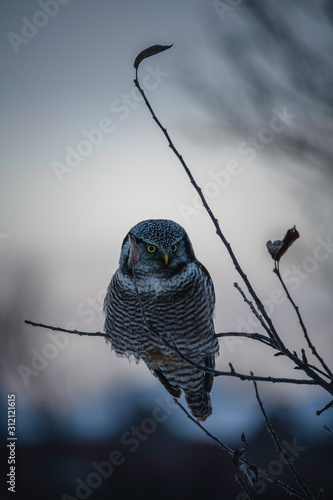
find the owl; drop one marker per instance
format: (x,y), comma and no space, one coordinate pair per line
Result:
(157,262)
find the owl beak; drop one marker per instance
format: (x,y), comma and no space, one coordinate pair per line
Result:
(166,258)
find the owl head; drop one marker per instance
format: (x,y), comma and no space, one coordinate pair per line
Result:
(156,246)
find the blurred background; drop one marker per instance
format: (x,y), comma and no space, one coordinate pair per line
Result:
(246,94)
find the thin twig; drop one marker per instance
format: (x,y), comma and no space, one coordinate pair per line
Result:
(258,378)
(279,447)
(318,370)
(254,311)
(260,306)
(174,348)
(328,429)
(254,336)
(236,264)
(242,459)
(301,364)
(206,431)
(267,341)
(75,332)
(329,405)
(306,335)
(244,486)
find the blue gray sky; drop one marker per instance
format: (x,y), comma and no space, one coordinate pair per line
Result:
(246,94)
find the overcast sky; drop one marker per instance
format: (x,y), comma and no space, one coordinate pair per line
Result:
(246,94)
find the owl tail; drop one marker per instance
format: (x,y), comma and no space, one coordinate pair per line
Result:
(199,404)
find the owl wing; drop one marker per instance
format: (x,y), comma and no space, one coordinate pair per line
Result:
(210,358)
(210,282)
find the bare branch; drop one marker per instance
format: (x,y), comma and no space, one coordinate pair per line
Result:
(244,486)
(254,336)
(279,447)
(254,311)
(328,429)
(329,405)
(258,378)
(265,319)
(306,335)
(318,370)
(267,341)
(242,459)
(175,349)
(236,264)
(75,332)
(209,434)
(171,344)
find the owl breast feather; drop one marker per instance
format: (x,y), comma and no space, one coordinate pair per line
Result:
(181,306)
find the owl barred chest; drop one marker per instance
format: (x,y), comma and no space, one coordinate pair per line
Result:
(177,295)
(181,305)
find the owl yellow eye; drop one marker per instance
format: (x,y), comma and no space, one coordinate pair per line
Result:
(151,248)
(174,248)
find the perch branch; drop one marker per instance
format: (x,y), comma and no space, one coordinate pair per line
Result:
(174,348)
(300,363)
(58,329)
(236,264)
(254,336)
(242,459)
(267,324)
(267,341)
(206,431)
